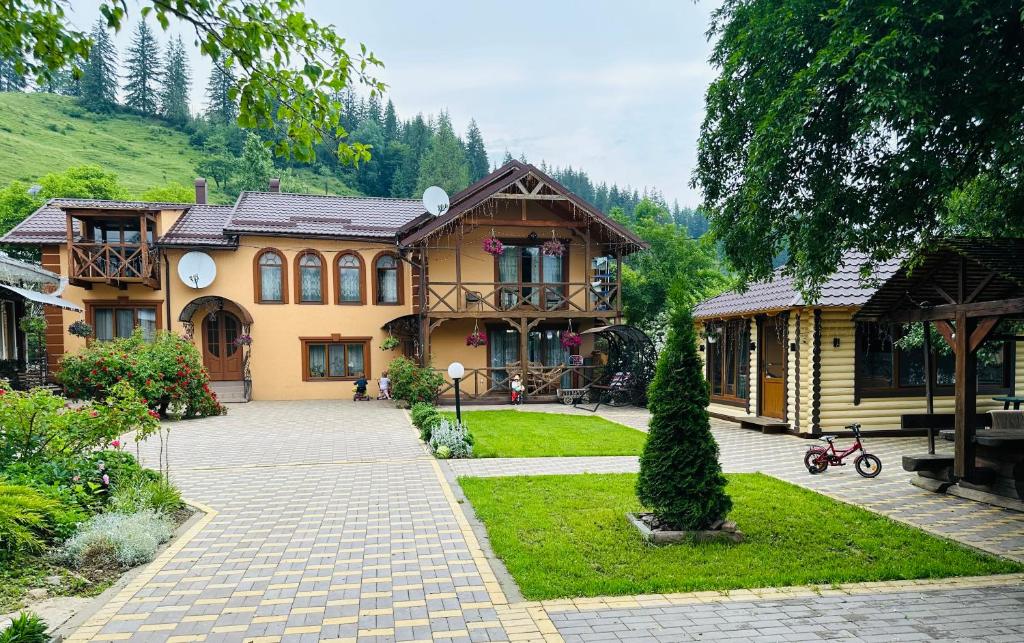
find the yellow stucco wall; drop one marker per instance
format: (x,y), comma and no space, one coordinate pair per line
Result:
(276,363)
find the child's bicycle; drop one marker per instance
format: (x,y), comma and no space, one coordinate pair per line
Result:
(818,458)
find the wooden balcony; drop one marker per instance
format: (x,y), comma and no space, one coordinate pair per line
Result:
(552,299)
(114,264)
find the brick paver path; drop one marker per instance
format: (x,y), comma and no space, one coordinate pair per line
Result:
(328,520)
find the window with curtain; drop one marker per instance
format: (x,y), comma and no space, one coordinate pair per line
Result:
(533,278)
(311,279)
(111,322)
(271,277)
(350,279)
(326,360)
(503,344)
(387,280)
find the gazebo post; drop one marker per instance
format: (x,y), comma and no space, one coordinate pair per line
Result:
(966,391)
(929,391)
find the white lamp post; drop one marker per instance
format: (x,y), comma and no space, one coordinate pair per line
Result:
(457,371)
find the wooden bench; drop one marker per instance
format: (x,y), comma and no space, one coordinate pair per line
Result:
(936,422)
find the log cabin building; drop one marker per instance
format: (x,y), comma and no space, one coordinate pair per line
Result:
(780,363)
(319,283)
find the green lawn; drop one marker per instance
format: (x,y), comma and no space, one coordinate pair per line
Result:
(520,434)
(566,536)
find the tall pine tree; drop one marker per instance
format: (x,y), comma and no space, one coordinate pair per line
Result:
(476,153)
(444,164)
(391,129)
(175,91)
(143,71)
(99,73)
(10,79)
(221,108)
(416,136)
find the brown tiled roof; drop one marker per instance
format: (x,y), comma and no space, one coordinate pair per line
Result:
(202,225)
(505,176)
(48,224)
(280,213)
(843,288)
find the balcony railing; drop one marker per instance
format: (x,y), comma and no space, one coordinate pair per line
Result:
(453,297)
(104,262)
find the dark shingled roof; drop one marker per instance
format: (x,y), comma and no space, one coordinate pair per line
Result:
(843,288)
(202,225)
(48,224)
(280,213)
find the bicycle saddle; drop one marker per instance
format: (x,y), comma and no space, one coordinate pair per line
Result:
(827,438)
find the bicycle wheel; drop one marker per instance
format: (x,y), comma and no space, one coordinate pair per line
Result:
(868,465)
(816,460)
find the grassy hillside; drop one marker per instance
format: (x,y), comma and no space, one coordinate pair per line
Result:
(42,133)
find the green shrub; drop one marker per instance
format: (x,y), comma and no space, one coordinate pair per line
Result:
(26,519)
(449,439)
(39,426)
(168,372)
(124,540)
(142,493)
(680,478)
(25,628)
(411,383)
(424,417)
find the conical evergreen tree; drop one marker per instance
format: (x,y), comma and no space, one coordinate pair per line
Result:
(175,92)
(144,71)
(444,164)
(373,111)
(221,108)
(391,129)
(255,166)
(416,137)
(507,158)
(10,79)
(680,478)
(99,73)
(476,153)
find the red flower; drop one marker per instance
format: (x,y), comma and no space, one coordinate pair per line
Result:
(154,414)
(94,414)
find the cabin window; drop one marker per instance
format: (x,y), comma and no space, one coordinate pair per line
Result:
(310,275)
(388,282)
(350,279)
(335,360)
(890,361)
(270,278)
(8,329)
(112,322)
(728,360)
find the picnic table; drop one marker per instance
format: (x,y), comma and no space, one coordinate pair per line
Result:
(1009,399)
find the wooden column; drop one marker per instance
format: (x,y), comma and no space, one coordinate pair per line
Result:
(588,274)
(966,388)
(524,347)
(618,287)
(458,270)
(145,248)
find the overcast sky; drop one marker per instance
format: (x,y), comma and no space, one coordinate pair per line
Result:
(616,88)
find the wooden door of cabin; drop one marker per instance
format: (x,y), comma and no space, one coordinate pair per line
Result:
(221,356)
(772,367)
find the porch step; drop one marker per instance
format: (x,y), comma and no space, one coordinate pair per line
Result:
(232,392)
(764,424)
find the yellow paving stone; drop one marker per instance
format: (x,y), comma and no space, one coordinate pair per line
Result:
(303,629)
(224,629)
(172,608)
(479,625)
(248,592)
(186,638)
(212,601)
(452,634)
(141,616)
(380,611)
(341,620)
(199,618)
(276,601)
(114,636)
(410,603)
(284,586)
(263,639)
(312,592)
(307,610)
(445,613)
(270,619)
(383,631)
(157,627)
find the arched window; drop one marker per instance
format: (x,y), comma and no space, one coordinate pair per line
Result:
(271,275)
(350,279)
(310,279)
(387,282)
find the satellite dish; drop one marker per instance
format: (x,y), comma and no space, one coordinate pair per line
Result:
(435,200)
(197,269)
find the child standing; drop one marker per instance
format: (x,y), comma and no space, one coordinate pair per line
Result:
(385,386)
(517,389)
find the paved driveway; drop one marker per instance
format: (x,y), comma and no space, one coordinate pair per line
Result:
(328,521)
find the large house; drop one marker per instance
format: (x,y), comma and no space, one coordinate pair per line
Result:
(777,361)
(319,283)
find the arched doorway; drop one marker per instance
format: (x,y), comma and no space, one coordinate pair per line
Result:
(222,356)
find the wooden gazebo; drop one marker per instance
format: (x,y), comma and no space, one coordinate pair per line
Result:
(963,287)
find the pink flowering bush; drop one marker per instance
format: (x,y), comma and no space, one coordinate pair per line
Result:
(167,372)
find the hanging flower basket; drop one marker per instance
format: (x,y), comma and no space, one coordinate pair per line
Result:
(389,344)
(476,338)
(552,248)
(570,340)
(493,246)
(80,329)
(243,340)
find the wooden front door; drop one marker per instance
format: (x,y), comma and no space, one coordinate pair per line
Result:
(221,356)
(772,362)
